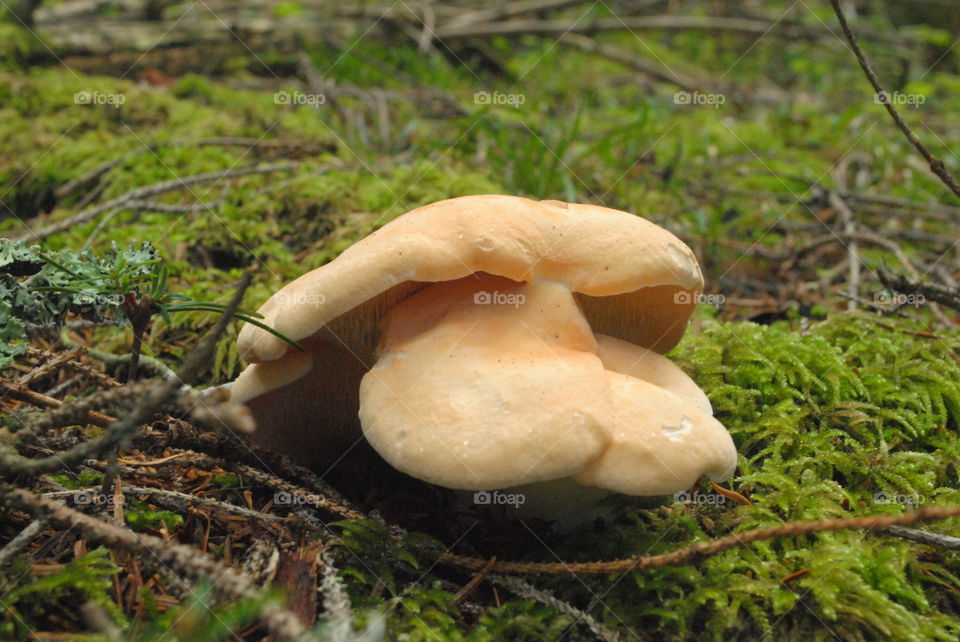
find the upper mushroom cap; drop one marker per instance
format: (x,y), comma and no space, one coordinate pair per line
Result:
(626,270)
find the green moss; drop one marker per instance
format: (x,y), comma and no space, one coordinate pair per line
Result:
(27,599)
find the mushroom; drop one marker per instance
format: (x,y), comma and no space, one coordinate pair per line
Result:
(522,345)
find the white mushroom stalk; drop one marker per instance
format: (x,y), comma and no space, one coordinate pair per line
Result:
(491,342)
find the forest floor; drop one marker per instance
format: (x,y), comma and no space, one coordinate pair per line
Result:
(249,144)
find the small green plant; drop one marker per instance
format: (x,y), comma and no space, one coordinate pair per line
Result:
(38,289)
(84,479)
(140,516)
(87,578)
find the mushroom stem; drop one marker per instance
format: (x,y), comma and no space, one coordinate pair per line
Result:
(486,383)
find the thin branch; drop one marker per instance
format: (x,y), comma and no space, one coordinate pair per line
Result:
(141,194)
(925,537)
(936,165)
(530,592)
(701,550)
(171,498)
(21,541)
(627,23)
(932,291)
(495,14)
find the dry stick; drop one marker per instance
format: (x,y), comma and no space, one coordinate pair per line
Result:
(299,495)
(628,23)
(141,193)
(692,553)
(121,430)
(932,291)
(474,582)
(227,141)
(934,211)
(925,537)
(336,599)
(853,249)
(530,592)
(936,165)
(226,582)
(79,366)
(21,541)
(176,499)
(74,410)
(643,65)
(54,362)
(495,14)
(702,550)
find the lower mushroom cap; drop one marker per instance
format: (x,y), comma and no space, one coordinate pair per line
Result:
(485,395)
(487,383)
(661,444)
(640,363)
(303,406)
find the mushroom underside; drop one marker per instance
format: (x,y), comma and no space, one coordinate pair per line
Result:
(487,383)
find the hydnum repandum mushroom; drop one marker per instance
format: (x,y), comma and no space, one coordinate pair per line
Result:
(492,342)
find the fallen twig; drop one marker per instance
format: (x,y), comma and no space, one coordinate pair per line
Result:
(141,194)
(701,550)
(936,165)
(925,537)
(530,592)
(21,541)
(932,291)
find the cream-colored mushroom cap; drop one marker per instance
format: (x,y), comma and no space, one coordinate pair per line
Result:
(626,271)
(486,383)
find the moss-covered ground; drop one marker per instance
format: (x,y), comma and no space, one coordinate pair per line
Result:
(834,412)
